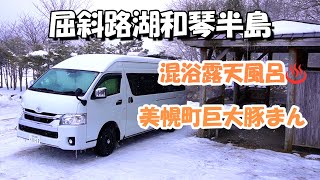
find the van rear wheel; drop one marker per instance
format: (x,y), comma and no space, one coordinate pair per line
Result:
(106,142)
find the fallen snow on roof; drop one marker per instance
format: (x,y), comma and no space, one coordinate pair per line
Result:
(99,62)
(291,27)
(39,53)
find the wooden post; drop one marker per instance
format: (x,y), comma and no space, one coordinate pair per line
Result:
(299,57)
(293,55)
(247,56)
(236,87)
(223,87)
(268,87)
(210,53)
(203,56)
(223,91)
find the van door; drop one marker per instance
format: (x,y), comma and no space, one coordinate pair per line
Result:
(112,108)
(139,92)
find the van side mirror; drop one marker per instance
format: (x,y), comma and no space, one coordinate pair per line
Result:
(100,93)
(78,93)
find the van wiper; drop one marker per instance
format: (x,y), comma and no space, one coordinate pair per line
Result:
(67,92)
(42,89)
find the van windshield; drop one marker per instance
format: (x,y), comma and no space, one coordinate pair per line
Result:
(64,81)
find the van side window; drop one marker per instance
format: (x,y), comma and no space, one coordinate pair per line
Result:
(111,82)
(147,83)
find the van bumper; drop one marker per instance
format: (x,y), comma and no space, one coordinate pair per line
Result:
(55,136)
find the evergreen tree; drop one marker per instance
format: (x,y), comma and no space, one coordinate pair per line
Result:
(59,51)
(94,46)
(125,47)
(235,5)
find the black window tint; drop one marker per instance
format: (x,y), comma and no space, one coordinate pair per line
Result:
(172,88)
(313,60)
(147,83)
(112,82)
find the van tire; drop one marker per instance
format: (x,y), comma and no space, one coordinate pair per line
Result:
(106,142)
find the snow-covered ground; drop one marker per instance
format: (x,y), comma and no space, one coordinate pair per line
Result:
(155,155)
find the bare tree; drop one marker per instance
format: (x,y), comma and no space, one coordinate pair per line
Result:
(6,32)
(13,47)
(34,30)
(308,10)
(302,10)
(189,5)
(177,48)
(46,6)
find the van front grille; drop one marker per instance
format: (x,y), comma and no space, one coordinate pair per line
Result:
(44,113)
(37,119)
(44,117)
(38,131)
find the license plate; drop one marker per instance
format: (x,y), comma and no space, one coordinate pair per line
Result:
(34,139)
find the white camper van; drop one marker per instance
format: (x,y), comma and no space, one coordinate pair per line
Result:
(92,101)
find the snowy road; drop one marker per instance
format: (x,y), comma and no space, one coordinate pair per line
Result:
(155,155)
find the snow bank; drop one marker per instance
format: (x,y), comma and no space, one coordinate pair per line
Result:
(193,104)
(73,54)
(313,156)
(9,104)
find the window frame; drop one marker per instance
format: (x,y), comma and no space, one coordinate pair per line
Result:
(102,79)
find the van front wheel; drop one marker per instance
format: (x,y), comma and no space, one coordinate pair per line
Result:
(106,142)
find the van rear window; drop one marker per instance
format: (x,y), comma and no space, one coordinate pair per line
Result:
(147,83)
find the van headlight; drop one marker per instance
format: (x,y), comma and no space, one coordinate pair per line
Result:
(73,119)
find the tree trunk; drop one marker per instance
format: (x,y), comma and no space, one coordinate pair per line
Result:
(14,72)
(20,78)
(11,78)
(33,75)
(6,77)
(27,78)
(1,78)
